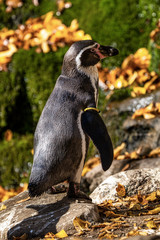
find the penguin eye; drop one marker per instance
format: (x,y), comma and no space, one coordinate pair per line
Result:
(92,50)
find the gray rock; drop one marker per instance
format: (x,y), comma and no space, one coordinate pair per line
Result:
(152,237)
(133,132)
(38,216)
(141,132)
(132,104)
(143,180)
(96,176)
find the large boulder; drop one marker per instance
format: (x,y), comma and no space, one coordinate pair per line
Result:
(38,216)
(144,180)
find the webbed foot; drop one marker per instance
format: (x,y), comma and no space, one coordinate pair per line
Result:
(74,191)
(59,188)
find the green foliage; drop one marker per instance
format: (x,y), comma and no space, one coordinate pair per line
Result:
(155,53)
(15,160)
(25,89)
(120,94)
(20,15)
(39,72)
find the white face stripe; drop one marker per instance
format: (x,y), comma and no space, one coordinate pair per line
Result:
(90,71)
(78,61)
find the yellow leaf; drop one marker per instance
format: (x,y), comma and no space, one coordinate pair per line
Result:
(134,155)
(61,234)
(45,47)
(139,90)
(90,164)
(112,214)
(148,115)
(121,191)
(81,225)
(23,200)
(154,152)
(3,207)
(48,17)
(121,157)
(86,37)
(135,206)
(118,150)
(154,211)
(125,167)
(149,83)
(74,25)
(152,197)
(151,225)
(49,236)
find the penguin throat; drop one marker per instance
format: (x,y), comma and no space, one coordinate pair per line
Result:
(92,73)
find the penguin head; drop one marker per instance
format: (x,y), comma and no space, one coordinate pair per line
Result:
(87,53)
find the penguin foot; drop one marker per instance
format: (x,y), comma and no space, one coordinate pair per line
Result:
(59,188)
(74,191)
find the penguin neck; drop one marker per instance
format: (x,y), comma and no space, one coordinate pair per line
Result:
(80,72)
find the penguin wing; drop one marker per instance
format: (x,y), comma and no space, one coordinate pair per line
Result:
(95,128)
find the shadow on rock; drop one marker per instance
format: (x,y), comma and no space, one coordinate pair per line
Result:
(43,218)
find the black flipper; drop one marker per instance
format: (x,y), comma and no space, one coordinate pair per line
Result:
(95,128)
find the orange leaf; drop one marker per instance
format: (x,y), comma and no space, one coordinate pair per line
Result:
(121,191)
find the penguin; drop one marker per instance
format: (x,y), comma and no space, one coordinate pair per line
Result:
(69,120)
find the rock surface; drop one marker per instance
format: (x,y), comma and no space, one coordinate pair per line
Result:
(96,176)
(133,132)
(38,216)
(144,180)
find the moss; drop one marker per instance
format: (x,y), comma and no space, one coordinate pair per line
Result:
(25,89)
(15,160)
(39,77)
(120,94)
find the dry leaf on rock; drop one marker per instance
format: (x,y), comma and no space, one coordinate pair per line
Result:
(151,225)
(81,225)
(118,150)
(61,234)
(3,207)
(23,237)
(121,191)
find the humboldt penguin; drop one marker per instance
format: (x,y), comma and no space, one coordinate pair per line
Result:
(69,119)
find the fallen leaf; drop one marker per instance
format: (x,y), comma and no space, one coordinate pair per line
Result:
(151,225)
(90,164)
(118,150)
(121,191)
(61,234)
(3,207)
(134,206)
(154,211)
(49,236)
(148,115)
(8,135)
(125,167)
(152,197)
(112,214)
(23,237)
(23,200)
(81,225)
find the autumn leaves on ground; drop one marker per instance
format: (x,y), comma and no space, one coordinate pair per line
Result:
(48,33)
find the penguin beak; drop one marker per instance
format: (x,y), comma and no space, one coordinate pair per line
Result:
(107,51)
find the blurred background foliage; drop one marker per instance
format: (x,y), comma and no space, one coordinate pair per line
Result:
(30,78)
